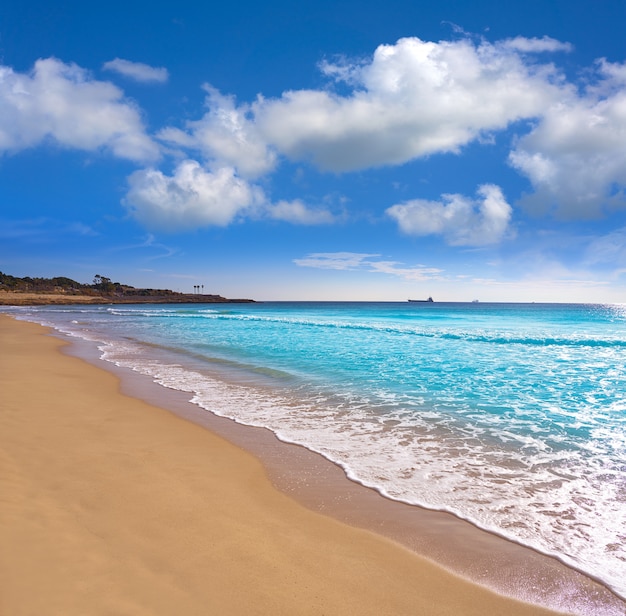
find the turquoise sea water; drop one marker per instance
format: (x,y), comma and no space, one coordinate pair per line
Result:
(512,416)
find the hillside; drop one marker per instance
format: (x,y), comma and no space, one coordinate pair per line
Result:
(15,291)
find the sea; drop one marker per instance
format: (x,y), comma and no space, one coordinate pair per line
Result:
(509,416)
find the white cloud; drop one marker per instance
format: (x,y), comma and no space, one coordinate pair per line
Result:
(414,273)
(536,45)
(364,261)
(412,99)
(408,100)
(460,220)
(137,70)
(575,157)
(416,98)
(177,138)
(334,260)
(192,197)
(613,76)
(298,213)
(226,134)
(61,102)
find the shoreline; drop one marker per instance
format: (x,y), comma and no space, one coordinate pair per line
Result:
(334,503)
(486,558)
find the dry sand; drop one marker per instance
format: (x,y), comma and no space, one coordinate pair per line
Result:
(111,506)
(10,298)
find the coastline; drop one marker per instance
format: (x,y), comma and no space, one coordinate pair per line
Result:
(155,505)
(14,298)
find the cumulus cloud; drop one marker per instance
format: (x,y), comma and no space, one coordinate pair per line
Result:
(412,99)
(368,262)
(613,77)
(408,100)
(416,98)
(192,197)
(226,134)
(575,156)
(62,103)
(137,70)
(460,220)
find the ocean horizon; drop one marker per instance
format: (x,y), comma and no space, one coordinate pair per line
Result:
(509,416)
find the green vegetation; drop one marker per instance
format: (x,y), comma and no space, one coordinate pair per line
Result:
(60,284)
(39,285)
(62,290)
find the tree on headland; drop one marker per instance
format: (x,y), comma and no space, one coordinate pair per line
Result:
(102,288)
(102,283)
(39,285)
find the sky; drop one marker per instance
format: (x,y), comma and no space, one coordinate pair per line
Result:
(319,150)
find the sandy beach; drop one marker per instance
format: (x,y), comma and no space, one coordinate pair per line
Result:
(112,506)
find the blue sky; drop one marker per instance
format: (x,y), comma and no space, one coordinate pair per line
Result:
(318,150)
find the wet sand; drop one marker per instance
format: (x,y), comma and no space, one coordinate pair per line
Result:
(109,504)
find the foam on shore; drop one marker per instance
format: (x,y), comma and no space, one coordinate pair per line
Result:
(114,505)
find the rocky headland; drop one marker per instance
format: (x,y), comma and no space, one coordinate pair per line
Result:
(28,291)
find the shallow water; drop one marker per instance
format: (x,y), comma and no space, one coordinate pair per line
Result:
(512,416)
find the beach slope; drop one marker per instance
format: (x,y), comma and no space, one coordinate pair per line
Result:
(111,506)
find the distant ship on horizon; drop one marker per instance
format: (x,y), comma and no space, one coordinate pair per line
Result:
(422,301)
